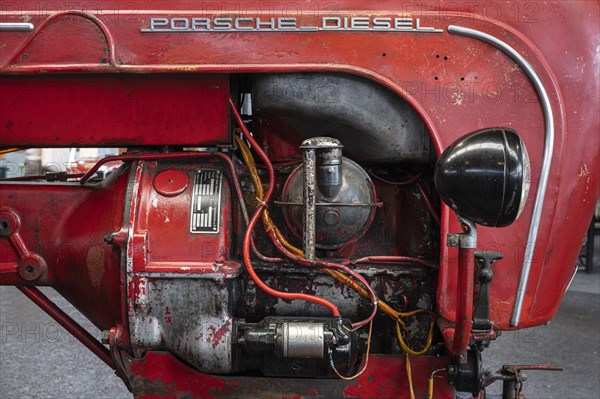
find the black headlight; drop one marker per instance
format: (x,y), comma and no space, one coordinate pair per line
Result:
(484,176)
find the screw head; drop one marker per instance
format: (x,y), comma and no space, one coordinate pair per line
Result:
(4,227)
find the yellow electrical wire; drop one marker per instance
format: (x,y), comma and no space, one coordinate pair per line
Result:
(430,383)
(366,358)
(400,324)
(409,377)
(384,307)
(430,388)
(258,189)
(9,150)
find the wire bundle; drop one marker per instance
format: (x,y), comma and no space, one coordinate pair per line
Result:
(333,269)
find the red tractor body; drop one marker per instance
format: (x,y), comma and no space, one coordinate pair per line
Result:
(154,253)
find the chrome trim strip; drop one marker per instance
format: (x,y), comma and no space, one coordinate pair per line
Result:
(546,159)
(16,27)
(572,278)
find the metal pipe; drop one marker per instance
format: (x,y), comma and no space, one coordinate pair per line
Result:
(254,219)
(323,174)
(68,324)
(16,27)
(546,158)
(144,157)
(464,301)
(310,204)
(329,169)
(465,277)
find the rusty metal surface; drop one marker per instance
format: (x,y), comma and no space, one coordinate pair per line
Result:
(190,318)
(404,287)
(178,295)
(173,291)
(309,201)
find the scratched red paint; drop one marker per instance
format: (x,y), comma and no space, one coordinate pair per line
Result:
(385,378)
(217,335)
(178,378)
(168,318)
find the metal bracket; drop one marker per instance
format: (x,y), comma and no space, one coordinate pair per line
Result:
(482,325)
(513,377)
(31,266)
(466,239)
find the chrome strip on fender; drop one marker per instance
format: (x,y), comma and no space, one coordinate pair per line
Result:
(546,159)
(16,27)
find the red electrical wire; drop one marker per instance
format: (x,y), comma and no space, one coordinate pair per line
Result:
(434,214)
(240,195)
(334,266)
(320,263)
(298,259)
(414,179)
(256,216)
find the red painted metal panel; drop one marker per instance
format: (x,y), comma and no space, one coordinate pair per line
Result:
(65,224)
(160,375)
(113,110)
(161,221)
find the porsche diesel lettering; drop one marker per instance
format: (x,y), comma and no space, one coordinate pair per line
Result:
(285,24)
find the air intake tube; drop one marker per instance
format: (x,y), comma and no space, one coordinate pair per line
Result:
(322,169)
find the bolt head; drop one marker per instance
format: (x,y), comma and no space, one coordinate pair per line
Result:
(105,337)
(452,240)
